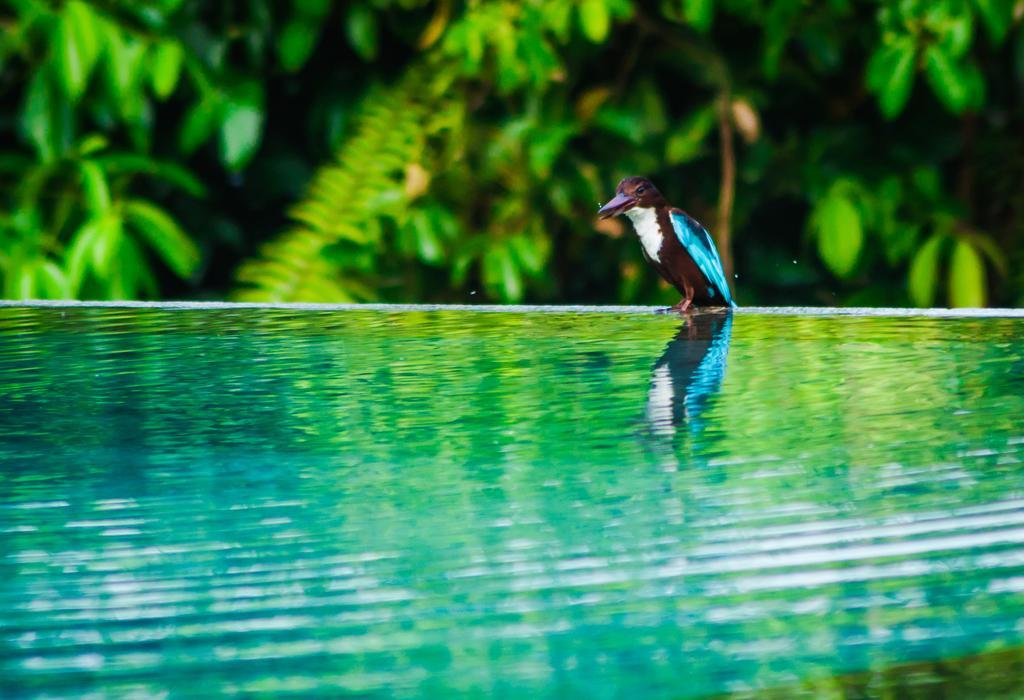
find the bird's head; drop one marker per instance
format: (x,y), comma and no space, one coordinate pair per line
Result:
(632,192)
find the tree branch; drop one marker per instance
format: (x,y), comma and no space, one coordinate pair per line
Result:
(727,186)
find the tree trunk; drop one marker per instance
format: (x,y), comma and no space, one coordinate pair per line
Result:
(727,187)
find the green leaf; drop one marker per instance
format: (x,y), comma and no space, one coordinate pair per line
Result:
(428,245)
(997,15)
(924,272)
(530,252)
(779,20)
(90,144)
(460,266)
(546,145)
(699,13)
(500,273)
(966,277)
(242,128)
(622,122)
(36,115)
(511,70)
(989,249)
(164,235)
(890,74)
(975,83)
(947,79)
(94,183)
(686,143)
(840,233)
(444,223)
(296,44)
(928,182)
(958,35)
(134,274)
(125,60)
(595,20)
(137,164)
(24,287)
(558,18)
(200,124)
(899,239)
(52,281)
(105,244)
(165,67)
(77,255)
(47,116)
(361,30)
(77,47)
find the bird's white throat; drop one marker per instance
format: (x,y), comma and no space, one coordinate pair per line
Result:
(645,221)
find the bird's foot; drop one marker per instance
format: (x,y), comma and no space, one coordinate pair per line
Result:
(683,307)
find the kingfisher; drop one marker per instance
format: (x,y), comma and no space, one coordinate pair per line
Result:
(674,243)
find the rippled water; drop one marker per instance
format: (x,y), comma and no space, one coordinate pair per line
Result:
(438,503)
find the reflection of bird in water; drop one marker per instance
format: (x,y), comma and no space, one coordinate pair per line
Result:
(688,373)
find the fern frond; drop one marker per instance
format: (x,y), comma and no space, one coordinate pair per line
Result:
(347,200)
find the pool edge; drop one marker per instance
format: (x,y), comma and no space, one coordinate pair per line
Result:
(512,308)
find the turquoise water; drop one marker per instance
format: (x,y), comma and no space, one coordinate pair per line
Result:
(397,504)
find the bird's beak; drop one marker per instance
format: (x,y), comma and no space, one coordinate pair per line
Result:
(618,204)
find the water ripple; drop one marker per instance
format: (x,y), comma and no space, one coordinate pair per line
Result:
(421,502)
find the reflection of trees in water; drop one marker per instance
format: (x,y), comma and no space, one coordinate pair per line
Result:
(998,673)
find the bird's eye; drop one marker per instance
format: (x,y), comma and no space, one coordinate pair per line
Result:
(640,190)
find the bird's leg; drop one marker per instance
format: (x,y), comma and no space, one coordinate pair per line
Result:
(684,304)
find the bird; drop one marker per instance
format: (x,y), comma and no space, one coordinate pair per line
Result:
(674,243)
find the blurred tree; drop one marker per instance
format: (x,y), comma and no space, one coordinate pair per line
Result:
(846,152)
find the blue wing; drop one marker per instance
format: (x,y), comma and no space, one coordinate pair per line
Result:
(698,243)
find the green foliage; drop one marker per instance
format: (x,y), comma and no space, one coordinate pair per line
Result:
(168,57)
(966,276)
(241,125)
(699,13)
(688,141)
(595,20)
(924,272)
(361,28)
(938,36)
(839,229)
(444,151)
(997,15)
(74,227)
(890,73)
(341,224)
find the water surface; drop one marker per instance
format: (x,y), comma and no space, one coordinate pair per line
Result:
(409,503)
